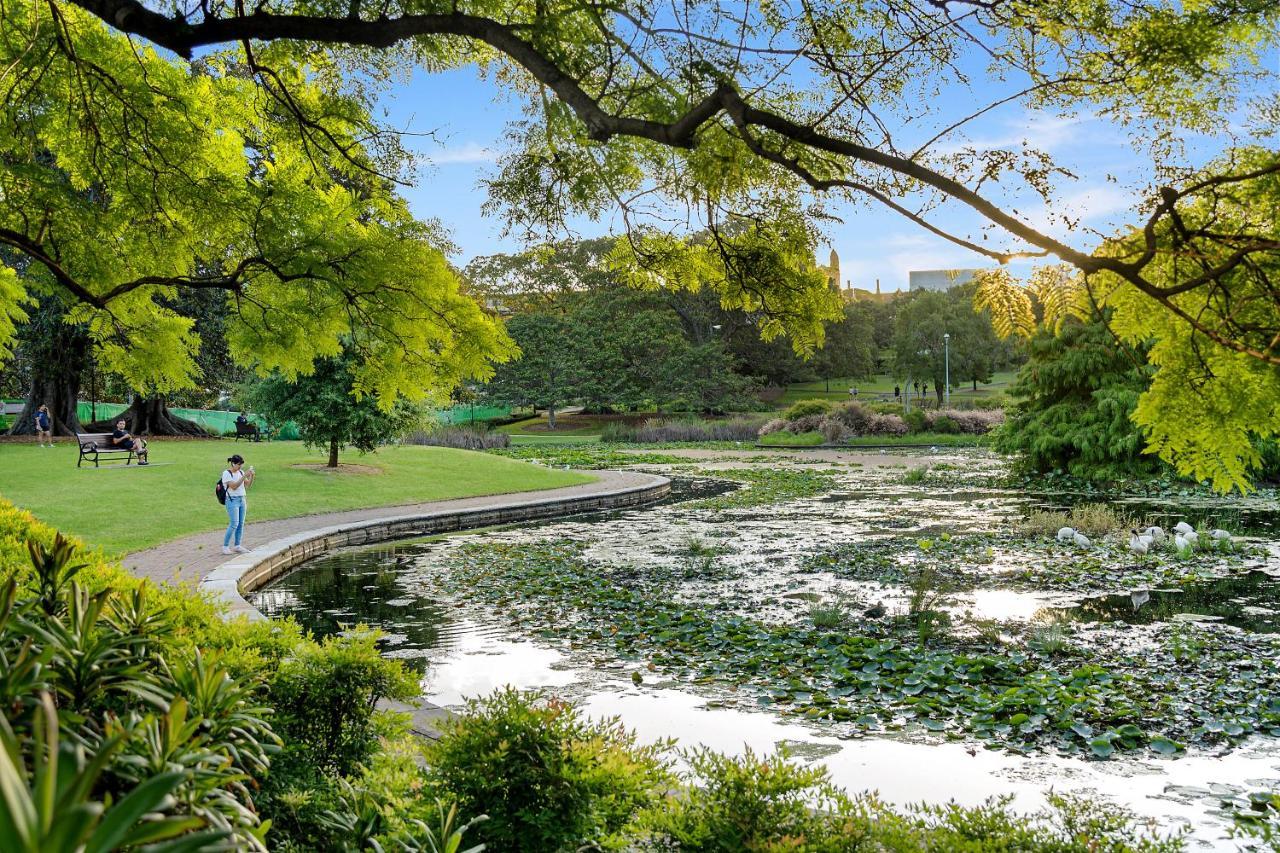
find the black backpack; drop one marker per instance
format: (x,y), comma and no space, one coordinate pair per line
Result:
(220,492)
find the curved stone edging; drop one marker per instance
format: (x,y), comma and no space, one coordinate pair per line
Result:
(231,580)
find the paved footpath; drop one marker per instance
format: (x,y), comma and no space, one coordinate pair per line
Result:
(191,558)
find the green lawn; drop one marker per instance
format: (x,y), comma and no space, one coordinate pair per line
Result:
(124,509)
(882,384)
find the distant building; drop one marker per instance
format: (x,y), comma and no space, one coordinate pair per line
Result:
(849,292)
(861,294)
(832,271)
(941,280)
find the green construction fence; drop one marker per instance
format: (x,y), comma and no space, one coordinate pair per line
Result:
(221,422)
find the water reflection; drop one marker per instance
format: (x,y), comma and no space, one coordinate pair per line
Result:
(1247,601)
(367,586)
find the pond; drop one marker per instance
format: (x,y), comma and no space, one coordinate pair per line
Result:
(923,634)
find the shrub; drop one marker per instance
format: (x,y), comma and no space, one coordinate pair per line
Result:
(915,421)
(169,697)
(943,424)
(978,422)
(807,423)
(856,416)
(547,778)
(833,430)
(461,437)
(887,425)
(656,431)
(91,665)
(754,803)
(324,698)
(805,408)
(770,427)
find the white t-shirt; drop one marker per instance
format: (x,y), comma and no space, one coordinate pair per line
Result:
(227,478)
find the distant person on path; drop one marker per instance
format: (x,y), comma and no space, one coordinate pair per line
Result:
(44,426)
(853,391)
(897,392)
(121,438)
(917,384)
(925,391)
(236,482)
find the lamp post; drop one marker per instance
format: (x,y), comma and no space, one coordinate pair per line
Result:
(946,363)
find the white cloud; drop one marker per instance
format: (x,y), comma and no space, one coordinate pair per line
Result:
(1036,130)
(1102,207)
(470,152)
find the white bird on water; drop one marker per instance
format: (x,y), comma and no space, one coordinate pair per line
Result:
(1081,540)
(1139,598)
(1183,528)
(1139,543)
(1185,540)
(1066,534)
(1156,533)
(1220,534)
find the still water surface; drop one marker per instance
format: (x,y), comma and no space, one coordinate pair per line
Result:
(462,651)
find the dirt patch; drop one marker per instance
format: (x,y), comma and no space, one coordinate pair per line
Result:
(343,468)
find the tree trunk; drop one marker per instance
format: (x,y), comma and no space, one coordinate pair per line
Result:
(150,416)
(333,453)
(551,417)
(59,393)
(975,383)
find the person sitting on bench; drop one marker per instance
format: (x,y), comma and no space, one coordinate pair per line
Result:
(121,438)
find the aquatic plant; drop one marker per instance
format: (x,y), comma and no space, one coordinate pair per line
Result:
(1093,519)
(1019,699)
(1049,639)
(766,486)
(915,476)
(828,614)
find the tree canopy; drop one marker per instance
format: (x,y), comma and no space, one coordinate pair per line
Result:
(327,410)
(753,119)
(255,167)
(1213,394)
(129,177)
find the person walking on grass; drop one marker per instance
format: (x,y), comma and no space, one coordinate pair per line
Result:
(236,481)
(44,426)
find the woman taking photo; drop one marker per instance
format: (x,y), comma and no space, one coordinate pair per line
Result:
(236,482)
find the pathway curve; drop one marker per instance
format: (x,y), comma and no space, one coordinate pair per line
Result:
(192,558)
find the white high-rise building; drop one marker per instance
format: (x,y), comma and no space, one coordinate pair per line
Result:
(940,279)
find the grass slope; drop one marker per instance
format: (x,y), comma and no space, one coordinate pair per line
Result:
(125,509)
(881,384)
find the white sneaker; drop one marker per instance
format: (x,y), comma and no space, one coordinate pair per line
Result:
(226,550)
(240,549)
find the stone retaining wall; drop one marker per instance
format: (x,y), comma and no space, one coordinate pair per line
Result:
(231,580)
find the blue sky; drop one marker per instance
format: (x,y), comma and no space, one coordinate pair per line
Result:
(468,116)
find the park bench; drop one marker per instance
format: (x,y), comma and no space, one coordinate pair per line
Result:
(95,444)
(249,430)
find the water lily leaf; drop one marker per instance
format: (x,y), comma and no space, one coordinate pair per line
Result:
(1165,746)
(1102,747)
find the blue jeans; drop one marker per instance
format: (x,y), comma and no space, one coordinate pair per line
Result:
(235,512)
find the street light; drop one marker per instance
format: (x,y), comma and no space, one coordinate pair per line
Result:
(946,361)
